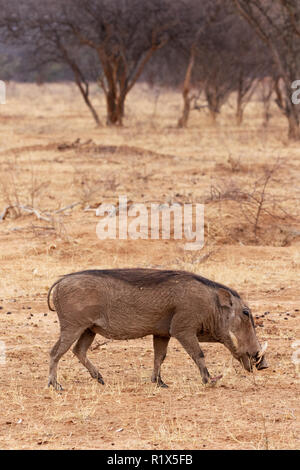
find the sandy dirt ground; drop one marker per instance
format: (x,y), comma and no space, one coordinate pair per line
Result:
(248,179)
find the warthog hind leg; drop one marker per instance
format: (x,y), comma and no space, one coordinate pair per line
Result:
(67,338)
(160,345)
(80,350)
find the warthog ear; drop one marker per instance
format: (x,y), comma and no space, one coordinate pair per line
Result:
(224,297)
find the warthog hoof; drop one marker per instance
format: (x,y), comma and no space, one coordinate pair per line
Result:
(159,382)
(55,385)
(162,384)
(214,380)
(100,380)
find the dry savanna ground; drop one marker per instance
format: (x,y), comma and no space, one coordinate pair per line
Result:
(248,178)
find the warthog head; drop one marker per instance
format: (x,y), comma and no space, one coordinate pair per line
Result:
(238,332)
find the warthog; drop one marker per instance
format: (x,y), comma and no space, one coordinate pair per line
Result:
(133,303)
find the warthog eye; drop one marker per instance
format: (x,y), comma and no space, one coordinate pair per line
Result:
(246,312)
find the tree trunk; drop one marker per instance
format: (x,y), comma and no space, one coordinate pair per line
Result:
(115,93)
(294,129)
(239,113)
(213,106)
(182,122)
(293,117)
(213,115)
(211,94)
(111,106)
(118,82)
(267,87)
(115,108)
(239,104)
(289,109)
(121,106)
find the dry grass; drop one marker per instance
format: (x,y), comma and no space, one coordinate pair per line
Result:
(149,160)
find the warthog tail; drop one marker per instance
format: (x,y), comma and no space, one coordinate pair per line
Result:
(49,293)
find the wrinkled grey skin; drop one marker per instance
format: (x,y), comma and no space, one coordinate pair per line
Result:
(133,303)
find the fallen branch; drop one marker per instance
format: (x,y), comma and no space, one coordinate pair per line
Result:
(31,210)
(37,213)
(5,212)
(70,206)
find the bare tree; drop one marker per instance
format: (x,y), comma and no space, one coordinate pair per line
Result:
(199,43)
(124,34)
(236,61)
(222,55)
(252,64)
(34,26)
(107,41)
(277,25)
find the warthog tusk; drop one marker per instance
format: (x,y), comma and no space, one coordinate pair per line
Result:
(233,339)
(262,351)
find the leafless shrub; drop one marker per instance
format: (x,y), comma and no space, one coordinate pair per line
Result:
(258,201)
(10,191)
(88,188)
(258,206)
(17,194)
(22,199)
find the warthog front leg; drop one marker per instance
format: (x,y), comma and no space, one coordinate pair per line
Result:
(190,343)
(80,350)
(160,345)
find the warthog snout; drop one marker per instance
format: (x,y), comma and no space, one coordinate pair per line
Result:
(262,364)
(258,360)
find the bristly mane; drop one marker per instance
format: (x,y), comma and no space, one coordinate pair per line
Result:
(143,277)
